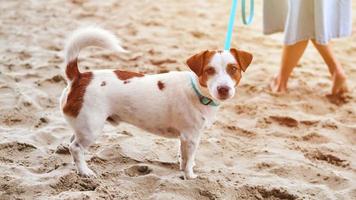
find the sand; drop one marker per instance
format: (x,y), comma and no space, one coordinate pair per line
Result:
(299,145)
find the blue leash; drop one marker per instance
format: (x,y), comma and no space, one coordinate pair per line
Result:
(232,19)
(252,12)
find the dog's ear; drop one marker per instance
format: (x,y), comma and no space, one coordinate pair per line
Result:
(198,61)
(243,58)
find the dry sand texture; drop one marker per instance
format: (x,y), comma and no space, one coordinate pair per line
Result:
(299,145)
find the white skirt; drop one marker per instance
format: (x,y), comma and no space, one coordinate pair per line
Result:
(300,20)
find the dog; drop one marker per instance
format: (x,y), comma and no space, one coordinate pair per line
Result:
(177,104)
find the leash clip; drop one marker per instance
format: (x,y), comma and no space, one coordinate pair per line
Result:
(204,100)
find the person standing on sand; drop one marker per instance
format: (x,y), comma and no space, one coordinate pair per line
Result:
(304,20)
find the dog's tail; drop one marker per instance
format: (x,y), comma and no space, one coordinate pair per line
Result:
(84,37)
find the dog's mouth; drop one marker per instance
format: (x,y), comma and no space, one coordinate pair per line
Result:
(223,98)
(223,92)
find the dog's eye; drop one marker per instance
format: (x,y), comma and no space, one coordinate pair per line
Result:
(232,68)
(210,71)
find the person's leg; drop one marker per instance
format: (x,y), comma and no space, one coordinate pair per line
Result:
(335,69)
(290,57)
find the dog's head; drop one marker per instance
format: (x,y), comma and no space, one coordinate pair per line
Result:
(220,71)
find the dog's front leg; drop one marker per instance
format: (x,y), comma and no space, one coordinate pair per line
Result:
(188,145)
(182,156)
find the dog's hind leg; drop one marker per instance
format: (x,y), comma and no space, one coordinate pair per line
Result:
(85,135)
(77,152)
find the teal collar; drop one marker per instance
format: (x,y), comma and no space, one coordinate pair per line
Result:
(203,99)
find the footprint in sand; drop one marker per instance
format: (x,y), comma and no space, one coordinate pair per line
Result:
(291,122)
(285,121)
(339,100)
(42,121)
(163,61)
(329,124)
(240,131)
(16,152)
(24,55)
(309,122)
(261,192)
(16,147)
(74,182)
(56,79)
(62,149)
(326,157)
(138,170)
(198,34)
(315,138)
(310,174)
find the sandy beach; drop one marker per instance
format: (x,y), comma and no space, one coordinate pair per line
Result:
(298,145)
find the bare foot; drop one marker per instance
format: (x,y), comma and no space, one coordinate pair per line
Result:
(339,84)
(276,85)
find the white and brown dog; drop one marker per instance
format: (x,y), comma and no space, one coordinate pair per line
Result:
(174,104)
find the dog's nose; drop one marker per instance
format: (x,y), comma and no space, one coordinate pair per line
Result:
(223,91)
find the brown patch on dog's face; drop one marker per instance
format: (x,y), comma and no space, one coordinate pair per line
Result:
(208,71)
(234,72)
(75,97)
(220,71)
(243,58)
(160,85)
(124,75)
(103,84)
(198,64)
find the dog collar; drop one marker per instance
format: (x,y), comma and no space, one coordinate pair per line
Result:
(203,99)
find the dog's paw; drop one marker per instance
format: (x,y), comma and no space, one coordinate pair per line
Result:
(87,173)
(189,176)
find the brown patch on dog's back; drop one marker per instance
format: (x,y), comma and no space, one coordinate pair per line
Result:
(75,97)
(124,75)
(160,85)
